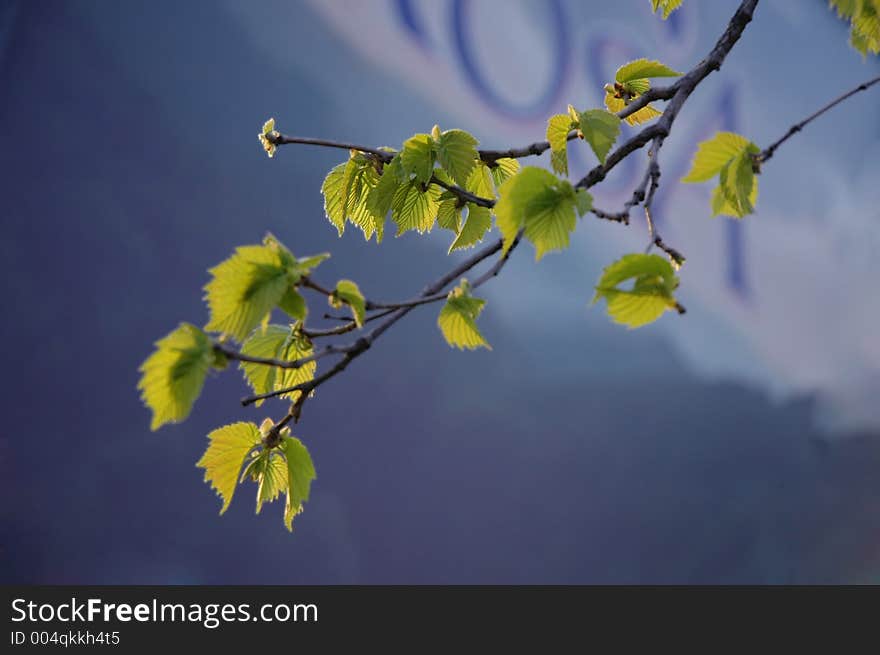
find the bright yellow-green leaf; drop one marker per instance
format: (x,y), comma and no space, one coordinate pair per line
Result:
(271,478)
(558,128)
(449,215)
(600,129)
(348,292)
(417,157)
(583,201)
(268,129)
(714,154)
(720,205)
(174,374)
(458,319)
(643,115)
(415,209)
(333,200)
(666,6)
(653,283)
(381,196)
(228,448)
(478,223)
(642,69)
(245,287)
(300,473)
(738,182)
(457,154)
(864,17)
(282,343)
(504,169)
(480,181)
(540,202)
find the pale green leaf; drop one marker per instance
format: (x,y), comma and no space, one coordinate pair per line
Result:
(348,292)
(504,169)
(651,293)
(271,478)
(666,6)
(514,196)
(415,209)
(714,154)
(583,201)
(300,473)
(480,181)
(417,157)
(174,374)
(228,448)
(449,215)
(268,129)
(643,68)
(282,343)
(643,115)
(478,223)
(293,304)
(333,198)
(550,218)
(246,287)
(737,182)
(458,319)
(558,127)
(457,154)
(600,129)
(381,196)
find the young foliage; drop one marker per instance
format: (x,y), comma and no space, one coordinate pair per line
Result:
(732,158)
(227,451)
(632,80)
(541,204)
(286,344)
(283,467)
(558,127)
(456,153)
(417,157)
(300,473)
(864,18)
(348,293)
(600,129)
(174,374)
(265,135)
(653,283)
(255,279)
(665,6)
(478,223)
(415,206)
(458,319)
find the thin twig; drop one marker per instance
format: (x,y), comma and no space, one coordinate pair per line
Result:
(767,153)
(283,139)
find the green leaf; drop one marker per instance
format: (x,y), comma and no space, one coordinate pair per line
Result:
(739,185)
(245,287)
(504,169)
(305,265)
(449,215)
(480,181)
(654,281)
(333,197)
(293,304)
(641,69)
(359,180)
(864,18)
(271,474)
(558,128)
(478,223)
(282,343)
(714,154)
(583,201)
(268,129)
(457,154)
(666,6)
(227,450)
(174,374)
(458,319)
(415,209)
(538,201)
(300,473)
(600,129)
(348,292)
(381,196)
(731,157)
(417,157)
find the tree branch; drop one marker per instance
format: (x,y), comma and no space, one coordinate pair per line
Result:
(768,152)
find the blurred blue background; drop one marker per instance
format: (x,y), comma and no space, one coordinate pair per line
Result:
(740,443)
